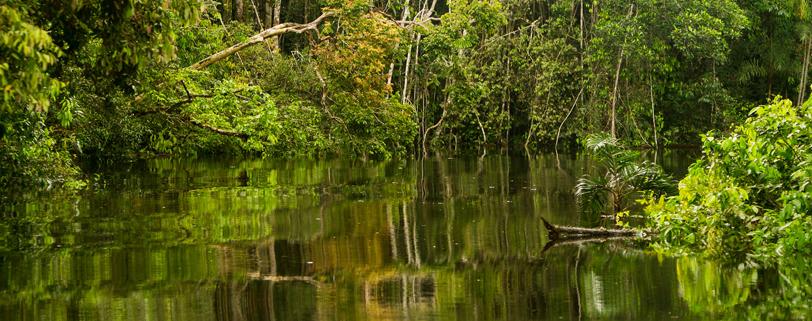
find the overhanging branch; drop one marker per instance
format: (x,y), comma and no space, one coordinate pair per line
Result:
(260,37)
(220,131)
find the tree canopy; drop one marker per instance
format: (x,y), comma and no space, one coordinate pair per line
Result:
(118,79)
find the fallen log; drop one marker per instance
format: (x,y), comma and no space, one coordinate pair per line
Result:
(260,37)
(571,232)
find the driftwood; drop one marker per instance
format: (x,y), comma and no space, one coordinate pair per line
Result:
(572,232)
(261,37)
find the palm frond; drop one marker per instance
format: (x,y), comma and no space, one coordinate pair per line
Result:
(601,142)
(609,152)
(624,176)
(592,195)
(648,176)
(750,70)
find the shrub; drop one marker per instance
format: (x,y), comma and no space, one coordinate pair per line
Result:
(750,195)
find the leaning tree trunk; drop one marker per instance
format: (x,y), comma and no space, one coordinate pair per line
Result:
(558,133)
(260,37)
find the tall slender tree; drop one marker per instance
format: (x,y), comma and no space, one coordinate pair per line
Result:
(237,10)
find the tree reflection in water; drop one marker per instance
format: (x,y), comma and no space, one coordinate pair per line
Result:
(446,239)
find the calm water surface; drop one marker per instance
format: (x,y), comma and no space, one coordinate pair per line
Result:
(434,239)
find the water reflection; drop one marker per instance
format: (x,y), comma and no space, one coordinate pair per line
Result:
(437,239)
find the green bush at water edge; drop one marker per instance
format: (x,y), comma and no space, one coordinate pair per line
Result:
(749,197)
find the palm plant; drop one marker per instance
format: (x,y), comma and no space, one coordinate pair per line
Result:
(625,176)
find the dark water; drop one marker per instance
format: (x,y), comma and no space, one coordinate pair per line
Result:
(438,239)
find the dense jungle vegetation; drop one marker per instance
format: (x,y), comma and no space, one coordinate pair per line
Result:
(749,198)
(114,79)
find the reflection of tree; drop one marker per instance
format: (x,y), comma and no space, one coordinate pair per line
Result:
(707,287)
(327,241)
(264,300)
(779,293)
(619,283)
(576,291)
(257,240)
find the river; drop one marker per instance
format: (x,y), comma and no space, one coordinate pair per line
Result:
(434,239)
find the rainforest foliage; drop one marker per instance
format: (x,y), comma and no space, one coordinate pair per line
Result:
(750,196)
(625,178)
(108,79)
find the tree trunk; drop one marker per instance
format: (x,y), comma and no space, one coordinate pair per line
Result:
(428,130)
(558,133)
(770,70)
(613,113)
(277,19)
(653,117)
(581,21)
(267,13)
(613,116)
(804,72)
(261,12)
(403,97)
(224,132)
(236,10)
(805,77)
(258,14)
(392,65)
